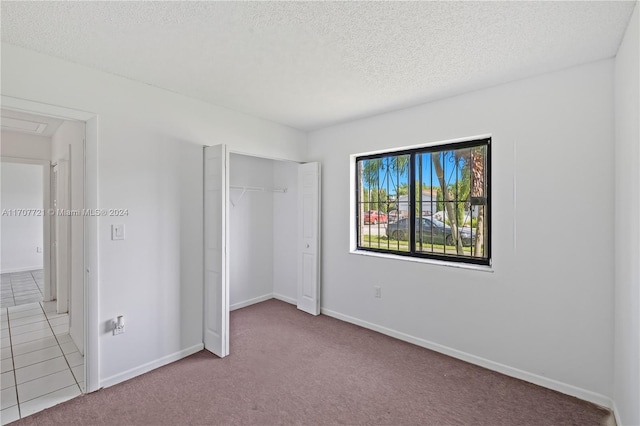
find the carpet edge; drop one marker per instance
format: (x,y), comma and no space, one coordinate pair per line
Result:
(545,382)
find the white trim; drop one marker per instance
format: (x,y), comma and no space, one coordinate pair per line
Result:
(265,297)
(25,160)
(145,368)
(27,269)
(49,110)
(391,256)
(91,262)
(250,302)
(287,299)
(546,382)
(261,156)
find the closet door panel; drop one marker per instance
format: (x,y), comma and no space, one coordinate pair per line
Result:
(309,238)
(216,285)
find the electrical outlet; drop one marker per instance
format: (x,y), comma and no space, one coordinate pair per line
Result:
(378,292)
(118,325)
(38,249)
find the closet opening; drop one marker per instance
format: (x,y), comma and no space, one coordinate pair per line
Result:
(261,237)
(263,217)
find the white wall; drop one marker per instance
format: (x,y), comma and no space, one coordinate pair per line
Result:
(251,228)
(545,313)
(150,162)
(23,234)
(23,145)
(627,227)
(67,144)
(285,231)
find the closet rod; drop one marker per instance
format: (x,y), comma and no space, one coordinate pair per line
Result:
(257,188)
(244,190)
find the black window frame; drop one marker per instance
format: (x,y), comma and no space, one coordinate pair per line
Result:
(412,252)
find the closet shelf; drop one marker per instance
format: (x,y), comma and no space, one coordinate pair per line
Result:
(246,189)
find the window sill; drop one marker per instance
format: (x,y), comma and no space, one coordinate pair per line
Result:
(481,268)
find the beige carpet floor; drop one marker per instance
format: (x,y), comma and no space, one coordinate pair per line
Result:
(287,367)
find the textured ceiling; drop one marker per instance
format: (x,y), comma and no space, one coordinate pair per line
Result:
(312,64)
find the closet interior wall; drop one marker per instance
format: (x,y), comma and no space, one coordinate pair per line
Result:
(262,225)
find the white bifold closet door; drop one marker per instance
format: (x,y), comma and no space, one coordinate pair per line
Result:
(216,280)
(309,238)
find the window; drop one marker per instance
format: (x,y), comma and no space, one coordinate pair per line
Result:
(430,202)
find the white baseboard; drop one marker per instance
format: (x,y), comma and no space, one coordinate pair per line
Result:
(26,269)
(74,337)
(284,298)
(546,382)
(250,302)
(144,368)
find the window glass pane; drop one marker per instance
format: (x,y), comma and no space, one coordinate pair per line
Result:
(382,200)
(450,201)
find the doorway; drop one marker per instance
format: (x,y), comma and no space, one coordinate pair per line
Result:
(81,170)
(262,223)
(24,195)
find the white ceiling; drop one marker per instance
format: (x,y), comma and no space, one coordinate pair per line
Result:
(312,64)
(22,122)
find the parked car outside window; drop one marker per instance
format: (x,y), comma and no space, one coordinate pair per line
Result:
(432,230)
(374,217)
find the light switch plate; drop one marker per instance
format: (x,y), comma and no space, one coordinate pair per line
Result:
(117,232)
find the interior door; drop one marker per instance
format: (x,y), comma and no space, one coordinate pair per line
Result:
(51,291)
(216,282)
(62,234)
(309,238)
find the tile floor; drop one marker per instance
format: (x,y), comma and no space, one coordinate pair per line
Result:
(19,288)
(41,366)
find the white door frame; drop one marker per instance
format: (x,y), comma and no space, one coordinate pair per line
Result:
(91,266)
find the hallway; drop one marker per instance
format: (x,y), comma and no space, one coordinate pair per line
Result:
(41,366)
(19,288)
